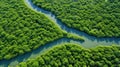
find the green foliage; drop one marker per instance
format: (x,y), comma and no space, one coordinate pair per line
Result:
(74,36)
(22,30)
(100,18)
(70,55)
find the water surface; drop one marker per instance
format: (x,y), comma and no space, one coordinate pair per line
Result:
(90,41)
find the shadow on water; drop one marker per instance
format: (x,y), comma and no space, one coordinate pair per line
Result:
(90,41)
(14,61)
(71,30)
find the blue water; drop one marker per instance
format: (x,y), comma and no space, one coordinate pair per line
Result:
(90,41)
(14,61)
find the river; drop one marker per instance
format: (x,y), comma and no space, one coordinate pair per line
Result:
(90,41)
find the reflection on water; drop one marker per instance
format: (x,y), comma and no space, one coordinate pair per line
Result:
(14,61)
(90,41)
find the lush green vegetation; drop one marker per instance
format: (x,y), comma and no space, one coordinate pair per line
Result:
(22,30)
(70,55)
(100,18)
(74,36)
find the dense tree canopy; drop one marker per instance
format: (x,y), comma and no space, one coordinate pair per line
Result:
(100,18)
(22,30)
(70,55)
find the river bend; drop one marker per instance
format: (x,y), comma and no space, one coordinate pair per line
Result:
(90,41)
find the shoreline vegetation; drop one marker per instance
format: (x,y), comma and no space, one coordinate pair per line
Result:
(73,55)
(73,36)
(98,18)
(23,30)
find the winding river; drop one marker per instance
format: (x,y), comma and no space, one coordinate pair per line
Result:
(90,41)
